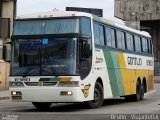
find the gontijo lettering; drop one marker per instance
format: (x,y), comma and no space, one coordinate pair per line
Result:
(134,61)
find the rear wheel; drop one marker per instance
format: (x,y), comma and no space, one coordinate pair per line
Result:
(138,95)
(142,91)
(42,105)
(98,97)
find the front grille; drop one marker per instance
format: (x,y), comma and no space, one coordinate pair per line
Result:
(37,83)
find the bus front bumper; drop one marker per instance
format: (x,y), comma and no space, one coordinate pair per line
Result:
(47,94)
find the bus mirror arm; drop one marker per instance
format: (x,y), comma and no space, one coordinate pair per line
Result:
(83,59)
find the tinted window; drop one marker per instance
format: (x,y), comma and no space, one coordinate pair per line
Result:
(98,34)
(150,46)
(144,45)
(110,37)
(86,26)
(129,41)
(49,26)
(120,39)
(137,44)
(113,38)
(101,35)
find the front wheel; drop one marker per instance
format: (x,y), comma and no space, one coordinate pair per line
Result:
(98,97)
(42,105)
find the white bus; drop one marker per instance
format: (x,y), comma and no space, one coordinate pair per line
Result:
(60,57)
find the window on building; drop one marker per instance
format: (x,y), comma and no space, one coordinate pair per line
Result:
(137,44)
(110,37)
(129,41)
(120,39)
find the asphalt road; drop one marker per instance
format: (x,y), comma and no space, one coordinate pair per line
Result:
(25,111)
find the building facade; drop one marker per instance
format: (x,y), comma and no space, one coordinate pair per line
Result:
(142,15)
(7,15)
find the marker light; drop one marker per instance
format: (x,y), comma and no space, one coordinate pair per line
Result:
(66,93)
(68,84)
(69,93)
(17,93)
(13,93)
(16,84)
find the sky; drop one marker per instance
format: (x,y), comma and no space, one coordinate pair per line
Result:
(33,6)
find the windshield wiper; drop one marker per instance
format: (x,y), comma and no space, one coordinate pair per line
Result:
(28,69)
(46,56)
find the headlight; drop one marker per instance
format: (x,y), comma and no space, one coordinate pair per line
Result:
(16,84)
(68,84)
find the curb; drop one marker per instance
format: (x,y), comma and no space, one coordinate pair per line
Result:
(4,98)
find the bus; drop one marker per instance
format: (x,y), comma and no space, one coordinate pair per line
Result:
(72,57)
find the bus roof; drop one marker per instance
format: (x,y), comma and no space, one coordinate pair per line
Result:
(54,14)
(75,13)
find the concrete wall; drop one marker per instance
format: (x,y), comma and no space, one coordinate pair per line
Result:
(137,9)
(8,12)
(133,11)
(4,73)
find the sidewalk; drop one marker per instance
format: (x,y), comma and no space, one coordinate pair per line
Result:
(4,94)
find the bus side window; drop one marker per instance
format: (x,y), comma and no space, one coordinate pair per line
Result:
(144,45)
(120,40)
(129,41)
(98,34)
(86,26)
(110,37)
(101,37)
(150,46)
(113,38)
(137,44)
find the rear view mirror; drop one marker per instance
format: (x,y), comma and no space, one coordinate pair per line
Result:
(6,52)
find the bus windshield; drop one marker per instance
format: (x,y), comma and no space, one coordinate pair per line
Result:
(51,47)
(47,56)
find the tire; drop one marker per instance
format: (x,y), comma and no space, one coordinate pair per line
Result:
(98,97)
(137,96)
(142,91)
(41,105)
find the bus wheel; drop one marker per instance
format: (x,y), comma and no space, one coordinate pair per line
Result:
(137,96)
(42,105)
(142,91)
(98,97)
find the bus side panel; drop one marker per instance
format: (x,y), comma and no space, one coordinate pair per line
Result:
(150,80)
(114,72)
(126,74)
(139,70)
(100,70)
